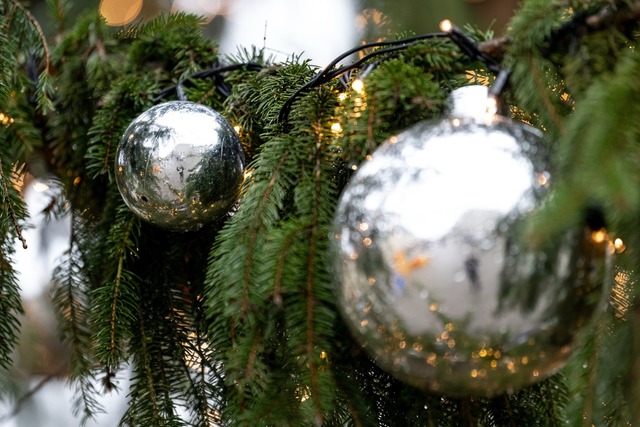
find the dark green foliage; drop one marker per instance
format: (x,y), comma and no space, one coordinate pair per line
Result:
(236,324)
(70,297)
(10,304)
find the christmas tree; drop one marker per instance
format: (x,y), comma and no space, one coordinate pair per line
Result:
(236,319)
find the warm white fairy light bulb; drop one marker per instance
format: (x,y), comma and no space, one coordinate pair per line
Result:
(446,26)
(358,86)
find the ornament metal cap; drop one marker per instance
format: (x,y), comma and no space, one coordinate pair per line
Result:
(469,102)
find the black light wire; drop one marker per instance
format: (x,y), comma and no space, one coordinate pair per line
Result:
(466,44)
(216,73)
(328,74)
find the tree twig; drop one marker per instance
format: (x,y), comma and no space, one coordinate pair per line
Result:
(12,214)
(605,18)
(38,28)
(28,395)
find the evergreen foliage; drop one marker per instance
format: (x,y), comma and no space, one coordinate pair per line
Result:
(236,324)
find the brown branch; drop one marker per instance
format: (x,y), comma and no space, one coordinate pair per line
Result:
(494,47)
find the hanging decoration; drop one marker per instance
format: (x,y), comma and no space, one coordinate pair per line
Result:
(434,279)
(180,165)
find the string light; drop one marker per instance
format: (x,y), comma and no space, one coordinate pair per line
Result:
(599,236)
(358,86)
(215,73)
(446,26)
(5,119)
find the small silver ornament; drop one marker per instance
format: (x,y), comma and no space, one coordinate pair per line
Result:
(179,165)
(433,279)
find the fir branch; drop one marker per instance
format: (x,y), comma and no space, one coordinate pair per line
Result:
(6,56)
(606,17)
(69,296)
(36,25)
(25,398)
(115,300)
(10,306)
(311,266)
(530,32)
(10,300)
(9,204)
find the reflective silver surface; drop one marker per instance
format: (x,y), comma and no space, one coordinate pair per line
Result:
(433,280)
(179,165)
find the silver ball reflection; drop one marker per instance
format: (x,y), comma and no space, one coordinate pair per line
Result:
(433,280)
(179,165)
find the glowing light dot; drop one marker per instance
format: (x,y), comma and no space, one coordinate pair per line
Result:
(431,359)
(599,236)
(237,128)
(524,360)
(474,373)
(5,119)
(446,26)
(535,373)
(433,307)
(543,178)
(342,96)
(372,280)
(455,122)
(358,86)
(482,352)
(364,323)
(402,344)
(363,226)
(323,355)
(336,128)
(619,245)
(120,12)
(366,241)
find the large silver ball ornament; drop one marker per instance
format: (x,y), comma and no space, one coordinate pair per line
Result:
(434,280)
(179,165)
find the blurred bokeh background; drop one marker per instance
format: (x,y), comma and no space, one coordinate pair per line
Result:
(316,30)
